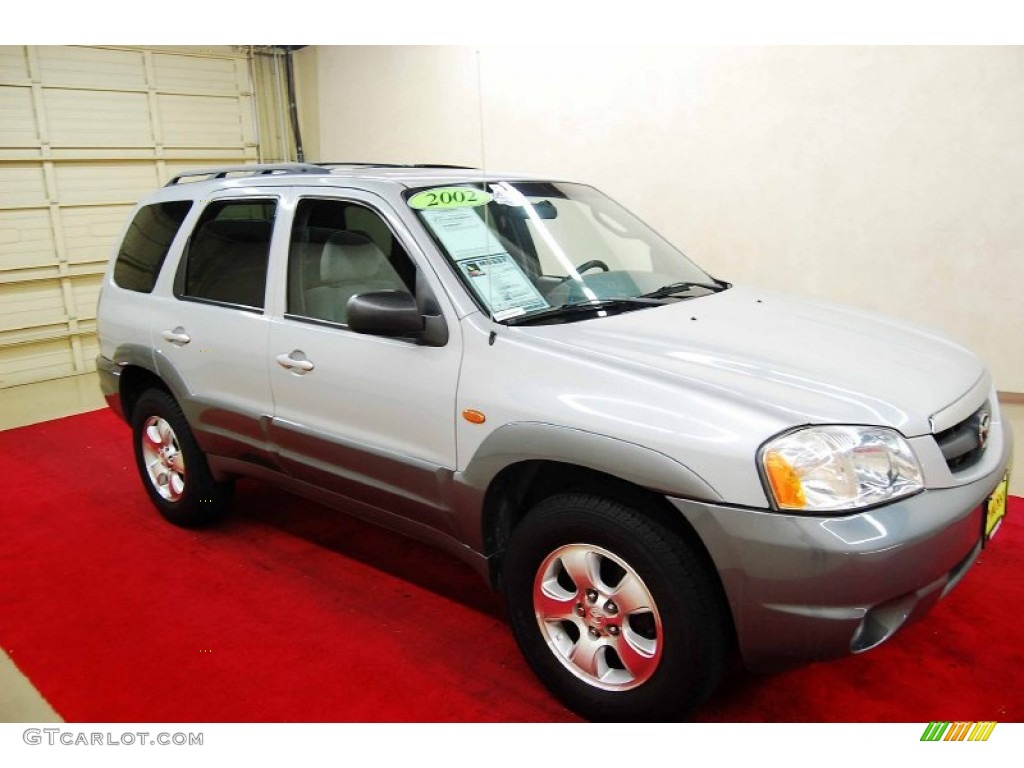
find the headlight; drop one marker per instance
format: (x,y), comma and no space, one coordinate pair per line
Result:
(829,469)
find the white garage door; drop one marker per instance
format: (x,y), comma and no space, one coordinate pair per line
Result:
(85,131)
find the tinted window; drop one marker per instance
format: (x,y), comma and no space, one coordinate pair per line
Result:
(340,249)
(228,253)
(146,244)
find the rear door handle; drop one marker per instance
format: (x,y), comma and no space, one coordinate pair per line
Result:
(177,336)
(295,362)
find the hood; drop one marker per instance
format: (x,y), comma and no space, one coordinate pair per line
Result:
(803,360)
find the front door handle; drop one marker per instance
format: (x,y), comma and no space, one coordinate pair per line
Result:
(177,336)
(295,362)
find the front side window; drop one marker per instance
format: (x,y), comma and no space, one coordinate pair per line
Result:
(146,243)
(340,249)
(554,252)
(227,256)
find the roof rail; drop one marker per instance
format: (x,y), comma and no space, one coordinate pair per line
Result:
(332,164)
(253,169)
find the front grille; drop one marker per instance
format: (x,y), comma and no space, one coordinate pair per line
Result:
(963,444)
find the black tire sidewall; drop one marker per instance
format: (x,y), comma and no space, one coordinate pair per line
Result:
(692,632)
(203,499)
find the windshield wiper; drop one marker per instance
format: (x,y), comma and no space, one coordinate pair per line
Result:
(673,288)
(581,307)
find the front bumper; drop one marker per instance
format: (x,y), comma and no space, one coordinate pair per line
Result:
(805,588)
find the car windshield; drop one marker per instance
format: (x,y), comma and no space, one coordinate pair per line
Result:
(546,251)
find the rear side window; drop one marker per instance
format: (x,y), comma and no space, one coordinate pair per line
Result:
(146,244)
(227,255)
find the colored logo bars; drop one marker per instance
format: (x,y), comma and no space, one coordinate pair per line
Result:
(958,731)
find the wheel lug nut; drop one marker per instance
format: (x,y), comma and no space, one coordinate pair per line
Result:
(593,633)
(580,610)
(611,607)
(613,630)
(591,595)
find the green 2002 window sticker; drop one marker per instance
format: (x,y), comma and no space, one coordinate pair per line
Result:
(449,197)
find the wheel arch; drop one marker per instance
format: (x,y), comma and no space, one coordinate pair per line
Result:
(142,368)
(134,381)
(520,464)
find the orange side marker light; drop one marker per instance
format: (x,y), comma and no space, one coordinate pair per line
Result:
(473,416)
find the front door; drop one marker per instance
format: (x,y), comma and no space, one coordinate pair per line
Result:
(368,417)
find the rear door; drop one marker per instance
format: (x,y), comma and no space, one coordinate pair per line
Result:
(209,329)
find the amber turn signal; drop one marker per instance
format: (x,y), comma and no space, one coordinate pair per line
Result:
(786,485)
(473,416)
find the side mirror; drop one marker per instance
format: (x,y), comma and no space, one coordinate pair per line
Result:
(396,313)
(384,313)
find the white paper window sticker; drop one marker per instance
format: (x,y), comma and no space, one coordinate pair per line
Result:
(463,233)
(491,271)
(501,283)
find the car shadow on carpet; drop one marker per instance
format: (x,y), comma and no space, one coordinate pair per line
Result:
(337,531)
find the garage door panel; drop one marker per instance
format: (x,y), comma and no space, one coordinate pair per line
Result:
(85,131)
(25,336)
(32,304)
(197,75)
(90,268)
(85,183)
(22,185)
(92,67)
(247,106)
(26,239)
(24,363)
(86,293)
(90,351)
(91,346)
(97,118)
(204,121)
(17,117)
(201,157)
(13,64)
(89,233)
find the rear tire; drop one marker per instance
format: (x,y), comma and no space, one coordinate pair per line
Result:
(621,618)
(173,469)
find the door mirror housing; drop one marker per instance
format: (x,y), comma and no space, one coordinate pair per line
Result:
(394,313)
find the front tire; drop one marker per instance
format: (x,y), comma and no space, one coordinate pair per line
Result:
(173,469)
(619,617)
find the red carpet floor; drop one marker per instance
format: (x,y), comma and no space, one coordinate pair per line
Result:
(292,612)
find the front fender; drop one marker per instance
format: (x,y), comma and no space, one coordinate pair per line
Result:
(536,441)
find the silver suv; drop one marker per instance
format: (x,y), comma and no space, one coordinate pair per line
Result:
(654,465)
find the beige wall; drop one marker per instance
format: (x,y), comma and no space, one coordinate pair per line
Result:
(890,178)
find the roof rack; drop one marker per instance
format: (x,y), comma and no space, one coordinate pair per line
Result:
(331,164)
(254,169)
